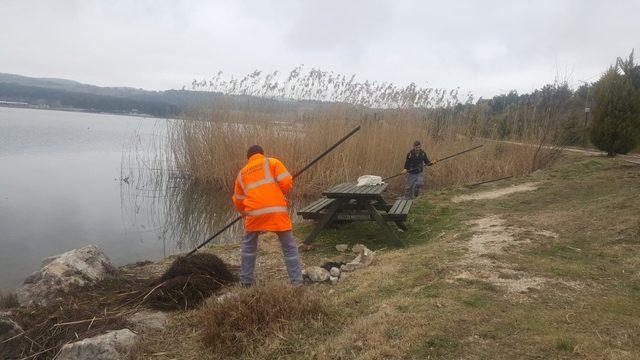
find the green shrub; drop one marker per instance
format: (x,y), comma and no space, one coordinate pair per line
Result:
(616,117)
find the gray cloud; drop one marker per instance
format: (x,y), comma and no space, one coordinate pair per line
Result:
(486,47)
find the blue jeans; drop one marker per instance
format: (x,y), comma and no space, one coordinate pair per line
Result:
(249,253)
(412,185)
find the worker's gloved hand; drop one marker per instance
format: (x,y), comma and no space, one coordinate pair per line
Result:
(433,162)
(404,171)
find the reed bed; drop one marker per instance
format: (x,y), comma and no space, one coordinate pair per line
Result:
(296,117)
(213,150)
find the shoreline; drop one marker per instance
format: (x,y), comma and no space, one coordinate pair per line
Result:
(76,110)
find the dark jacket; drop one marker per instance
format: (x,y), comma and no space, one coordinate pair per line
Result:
(416,160)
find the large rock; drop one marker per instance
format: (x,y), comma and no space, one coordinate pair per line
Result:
(60,273)
(8,328)
(113,345)
(146,320)
(317,274)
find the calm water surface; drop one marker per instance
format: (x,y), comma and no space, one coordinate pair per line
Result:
(61,188)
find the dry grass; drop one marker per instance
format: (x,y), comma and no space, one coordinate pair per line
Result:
(212,149)
(297,118)
(77,315)
(412,304)
(265,316)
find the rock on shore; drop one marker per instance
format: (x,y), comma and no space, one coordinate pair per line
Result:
(110,346)
(78,267)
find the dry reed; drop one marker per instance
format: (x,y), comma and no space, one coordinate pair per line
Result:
(297,117)
(213,151)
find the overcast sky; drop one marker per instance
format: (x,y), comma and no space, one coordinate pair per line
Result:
(486,47)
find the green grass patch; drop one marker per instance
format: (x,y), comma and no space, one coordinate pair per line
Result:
(426,221)
(431,290)
(436,346)
(478,284)
(565,344)
(475,301)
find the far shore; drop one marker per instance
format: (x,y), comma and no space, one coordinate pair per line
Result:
(40,107)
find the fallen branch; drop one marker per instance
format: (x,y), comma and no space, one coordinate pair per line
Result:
(152,290)
(83,321)
(39,353)
(13,337)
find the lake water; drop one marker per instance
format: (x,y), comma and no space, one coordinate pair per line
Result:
(61,188)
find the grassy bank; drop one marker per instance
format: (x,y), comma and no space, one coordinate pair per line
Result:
(547,273)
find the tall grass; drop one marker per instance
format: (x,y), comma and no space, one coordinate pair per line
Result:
(211,146)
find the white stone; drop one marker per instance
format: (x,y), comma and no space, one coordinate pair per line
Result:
(333,279)
(334,272)
(342,247)
(226,296)
(60,273)
(8,328)
(364,259)
(317,274)
(356,249)
(113,345)
(146,320)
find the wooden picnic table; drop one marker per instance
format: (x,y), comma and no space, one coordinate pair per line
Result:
(349,202)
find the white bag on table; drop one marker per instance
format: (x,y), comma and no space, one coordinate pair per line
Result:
(365,180)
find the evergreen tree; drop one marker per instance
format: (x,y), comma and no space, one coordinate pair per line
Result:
(616,117)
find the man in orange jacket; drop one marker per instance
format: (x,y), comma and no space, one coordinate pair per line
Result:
(259,195)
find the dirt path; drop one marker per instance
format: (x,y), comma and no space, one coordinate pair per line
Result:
(493,237)
(632,158)
(493,194)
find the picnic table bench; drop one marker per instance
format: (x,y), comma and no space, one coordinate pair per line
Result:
(349,202)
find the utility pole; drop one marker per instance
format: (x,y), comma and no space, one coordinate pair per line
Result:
(587,110)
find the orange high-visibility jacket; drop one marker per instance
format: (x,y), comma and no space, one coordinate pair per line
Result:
(259,194)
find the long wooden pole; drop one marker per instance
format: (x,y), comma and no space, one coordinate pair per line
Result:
(444,158)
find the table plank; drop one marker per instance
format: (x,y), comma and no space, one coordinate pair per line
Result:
(350,190)
(338,188)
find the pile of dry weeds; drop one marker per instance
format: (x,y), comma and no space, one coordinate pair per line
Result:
(189,281)
(90,311)
(81,313)
(257,315)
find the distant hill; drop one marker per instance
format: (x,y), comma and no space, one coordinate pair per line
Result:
(55,93)
(68,94)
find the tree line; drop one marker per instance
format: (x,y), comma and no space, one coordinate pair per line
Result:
(605,113)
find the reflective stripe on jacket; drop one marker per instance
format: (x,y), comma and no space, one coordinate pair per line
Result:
(259,194)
